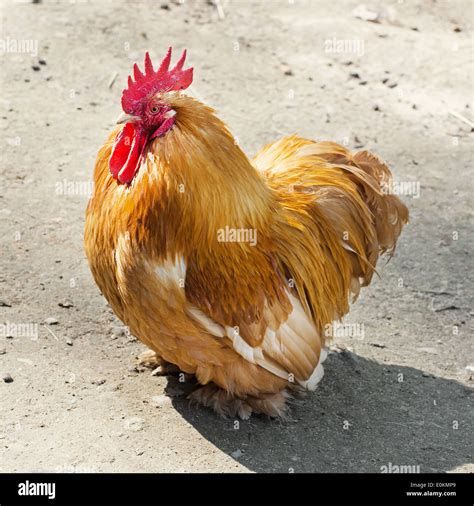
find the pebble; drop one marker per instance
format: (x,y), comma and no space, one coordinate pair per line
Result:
(434,351)
(134,424)
(3,351)
(51,321)
(237,454)
(118,331)
(366,14)
(377,345)
(66,304)
(7,378)
(286,70)
(160,401)
(446,307)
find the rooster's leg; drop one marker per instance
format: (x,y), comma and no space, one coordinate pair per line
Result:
(227,405)
(161,367)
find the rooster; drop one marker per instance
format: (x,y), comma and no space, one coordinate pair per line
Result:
(230,269)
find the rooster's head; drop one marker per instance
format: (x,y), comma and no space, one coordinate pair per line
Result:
(145,114)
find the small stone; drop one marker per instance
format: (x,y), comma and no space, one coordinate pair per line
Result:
(51,321)
(286,70)
(3,351)
(118,331)
(377,345)
(425,349)
(7,377)
(160,401)
(366,14)
(41,61)
(98,382)
(446,307)
(66,304)
(36,68)
(136,424)
(237,454)
(69,342)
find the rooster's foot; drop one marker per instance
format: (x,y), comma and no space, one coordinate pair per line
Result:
(226,405)
(161,367)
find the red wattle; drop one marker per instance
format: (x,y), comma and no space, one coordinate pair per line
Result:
(163,128)
(126,153)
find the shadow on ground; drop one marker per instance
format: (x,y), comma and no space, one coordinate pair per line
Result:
(363,416)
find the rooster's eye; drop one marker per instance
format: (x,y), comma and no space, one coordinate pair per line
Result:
(154,109)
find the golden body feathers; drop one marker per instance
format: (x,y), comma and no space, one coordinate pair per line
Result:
(247,317)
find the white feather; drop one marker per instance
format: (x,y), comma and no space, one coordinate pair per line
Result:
(208,323)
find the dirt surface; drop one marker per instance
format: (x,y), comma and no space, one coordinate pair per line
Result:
(395,393)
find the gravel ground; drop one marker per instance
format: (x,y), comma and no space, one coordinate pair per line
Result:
(397,391)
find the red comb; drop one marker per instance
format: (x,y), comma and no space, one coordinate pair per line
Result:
(151,82)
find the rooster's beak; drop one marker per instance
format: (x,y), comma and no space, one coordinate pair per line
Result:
(126,118)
